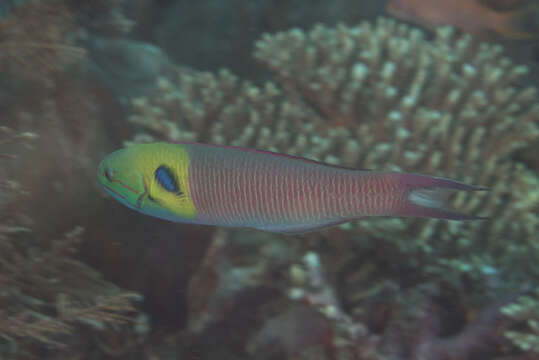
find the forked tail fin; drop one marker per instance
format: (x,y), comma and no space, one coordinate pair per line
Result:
(428,196)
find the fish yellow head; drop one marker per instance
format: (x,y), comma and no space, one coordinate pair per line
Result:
(150,178)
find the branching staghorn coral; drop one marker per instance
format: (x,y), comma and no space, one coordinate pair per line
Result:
(449,107)
(384,97)
(526,311)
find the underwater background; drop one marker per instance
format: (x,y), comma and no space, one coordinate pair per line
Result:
(382,85)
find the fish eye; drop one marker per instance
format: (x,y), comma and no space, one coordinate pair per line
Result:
(109,174)
(166,179)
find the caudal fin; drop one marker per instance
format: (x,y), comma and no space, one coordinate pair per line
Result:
(428,196)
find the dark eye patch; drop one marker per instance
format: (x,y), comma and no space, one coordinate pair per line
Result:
(165,177)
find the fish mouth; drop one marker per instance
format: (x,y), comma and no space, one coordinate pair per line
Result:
(114,192)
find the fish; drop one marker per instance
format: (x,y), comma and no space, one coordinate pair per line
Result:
(471,16)
(240,187)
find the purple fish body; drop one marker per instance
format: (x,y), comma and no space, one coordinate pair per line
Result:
(239,187)
(273,192)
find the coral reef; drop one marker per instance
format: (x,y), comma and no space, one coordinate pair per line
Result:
(447,107)
(224,276)
(526,311)
(412,331)
(290,299)
(450,107)
(50,301)
(383,97)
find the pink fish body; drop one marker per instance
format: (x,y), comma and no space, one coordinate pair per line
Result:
(238,187)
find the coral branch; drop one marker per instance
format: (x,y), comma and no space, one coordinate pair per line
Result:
(384,97)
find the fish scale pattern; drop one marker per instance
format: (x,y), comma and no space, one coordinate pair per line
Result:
(252,188)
